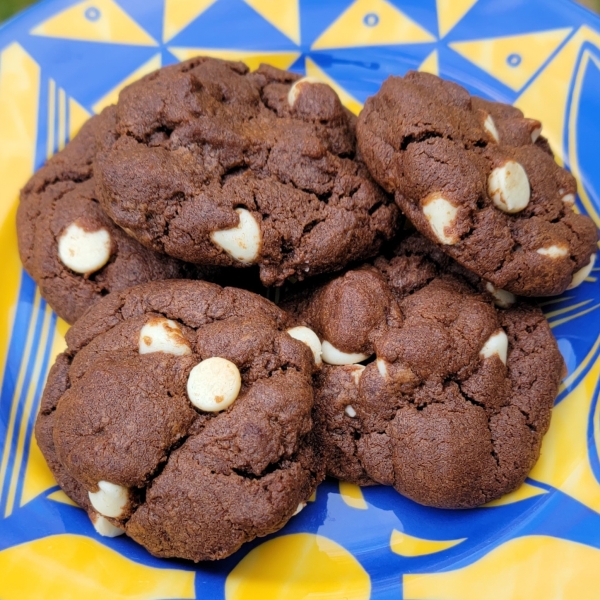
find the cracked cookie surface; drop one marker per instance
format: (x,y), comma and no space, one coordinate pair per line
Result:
(68,245)
(477,179)
(235,168)
(121,429)
(454,396)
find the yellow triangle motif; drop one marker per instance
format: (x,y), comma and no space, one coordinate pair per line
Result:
(180,13)
(372,23)
(407,545)
(96,572)
(522,493)
(252,58)
(564,462)
(60,496)
(77,117)
(431,64)
(298,565)
(349,101)
(515,59)
(534,566)
(352,495)
(551,83)
(19,100)
(19,108)
(450,12)
(283,14)
(113,95)
(95,21)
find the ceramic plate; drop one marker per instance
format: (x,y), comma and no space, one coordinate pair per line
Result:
(64,60)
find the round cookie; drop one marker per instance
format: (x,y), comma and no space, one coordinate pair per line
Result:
(454,395)
(236,168)
(180,413)
(72,250)
(476,178)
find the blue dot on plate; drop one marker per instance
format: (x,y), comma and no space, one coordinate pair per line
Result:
(514,60)
(92,14)
(371,20)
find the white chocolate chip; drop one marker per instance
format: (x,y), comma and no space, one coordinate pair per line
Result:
(535,134)
(441,215)
(580,276)
(296,88)
(308,337)
(299,508)
(382,367)
(349,410)
(243,242)
(163,335)
(497,344)
(332,356)
(104,527)
(508,186)
(490,127)
(502,298)
(84,251)
(357,371)
(214,384)
(553,251)
(110,499)
(569,199)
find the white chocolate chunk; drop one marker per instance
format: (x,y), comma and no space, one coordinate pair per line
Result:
(297,88)
(349,410)
(332,356)
(84,251)
(497,344)
(214,384)
(357,371)
(104,527)
(110,499)
(535,134)
(569,199)
(299,508)
(441,214)
(580,276)
(382,367)
(502,298)
(508,186)
(490,127)
(310,338)
(163,335)
(243,242)
(553,251)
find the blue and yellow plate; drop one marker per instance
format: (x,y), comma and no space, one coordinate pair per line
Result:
(64,60)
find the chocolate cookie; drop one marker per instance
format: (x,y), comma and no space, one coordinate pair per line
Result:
(238,168)
(453,396)
(180,413)
(477,178)
(72,250)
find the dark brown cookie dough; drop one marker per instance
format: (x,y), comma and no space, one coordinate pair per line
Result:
(181,413)
(212,164)
(454,395)
(95,257)
(476,178)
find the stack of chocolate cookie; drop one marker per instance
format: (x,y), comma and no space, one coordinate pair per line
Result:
(195,417)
